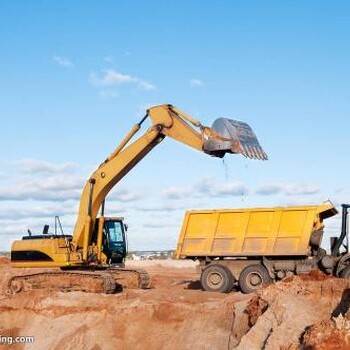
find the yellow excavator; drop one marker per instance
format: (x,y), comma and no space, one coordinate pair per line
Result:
(92,259)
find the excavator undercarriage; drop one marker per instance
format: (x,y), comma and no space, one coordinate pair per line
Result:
(109,281)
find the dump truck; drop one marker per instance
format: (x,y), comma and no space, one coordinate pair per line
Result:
(257,246)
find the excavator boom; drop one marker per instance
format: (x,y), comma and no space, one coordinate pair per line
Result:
(225,136)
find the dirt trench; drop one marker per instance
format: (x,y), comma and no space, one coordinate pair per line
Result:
(303,312)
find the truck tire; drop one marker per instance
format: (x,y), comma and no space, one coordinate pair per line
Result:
(345,273)
(217,278)
(253,277)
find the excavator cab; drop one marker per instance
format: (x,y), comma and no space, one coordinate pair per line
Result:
(114,242)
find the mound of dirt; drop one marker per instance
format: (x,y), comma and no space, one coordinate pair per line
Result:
(326,335)
(303,312)
(4,260)
(333,333)
(294,306)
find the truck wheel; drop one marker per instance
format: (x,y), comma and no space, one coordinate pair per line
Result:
(217,278)
(253,277)
(345,273)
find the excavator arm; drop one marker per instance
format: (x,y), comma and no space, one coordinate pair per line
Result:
(225,136)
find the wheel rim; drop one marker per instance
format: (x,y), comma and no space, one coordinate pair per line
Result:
(215,280)
(254,280)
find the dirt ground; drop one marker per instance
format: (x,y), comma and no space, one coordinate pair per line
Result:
(303,312)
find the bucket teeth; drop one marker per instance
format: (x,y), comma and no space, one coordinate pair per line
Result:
(234,136)
(253,151)
(247,139)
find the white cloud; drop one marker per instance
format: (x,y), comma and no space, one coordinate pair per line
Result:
(298,189)
(289,189)
(175,193)
(37,210)
(110,77)
(144,85)
(37,180)
(41,180)
(39,166)
(206,187)
(230,189)
(269,189)
(52,188)
(126,195)
(196,82)
(163,207)
(32,193)
(210,187)
(157,224)
(63,61)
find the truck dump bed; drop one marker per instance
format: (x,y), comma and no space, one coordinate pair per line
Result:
(278,231)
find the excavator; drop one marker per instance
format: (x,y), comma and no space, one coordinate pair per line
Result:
(92,258)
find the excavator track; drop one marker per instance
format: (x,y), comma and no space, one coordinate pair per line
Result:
(108,281)
(130,278)
(66,281)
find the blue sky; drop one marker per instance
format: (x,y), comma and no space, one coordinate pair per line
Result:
(75,76)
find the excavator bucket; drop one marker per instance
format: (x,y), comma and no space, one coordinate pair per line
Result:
(232,136)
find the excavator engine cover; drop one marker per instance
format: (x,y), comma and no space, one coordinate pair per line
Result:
(233,136)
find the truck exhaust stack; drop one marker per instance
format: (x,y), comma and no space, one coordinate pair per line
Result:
(233,136)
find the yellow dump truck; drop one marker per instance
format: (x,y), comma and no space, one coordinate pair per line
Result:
(258,245)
